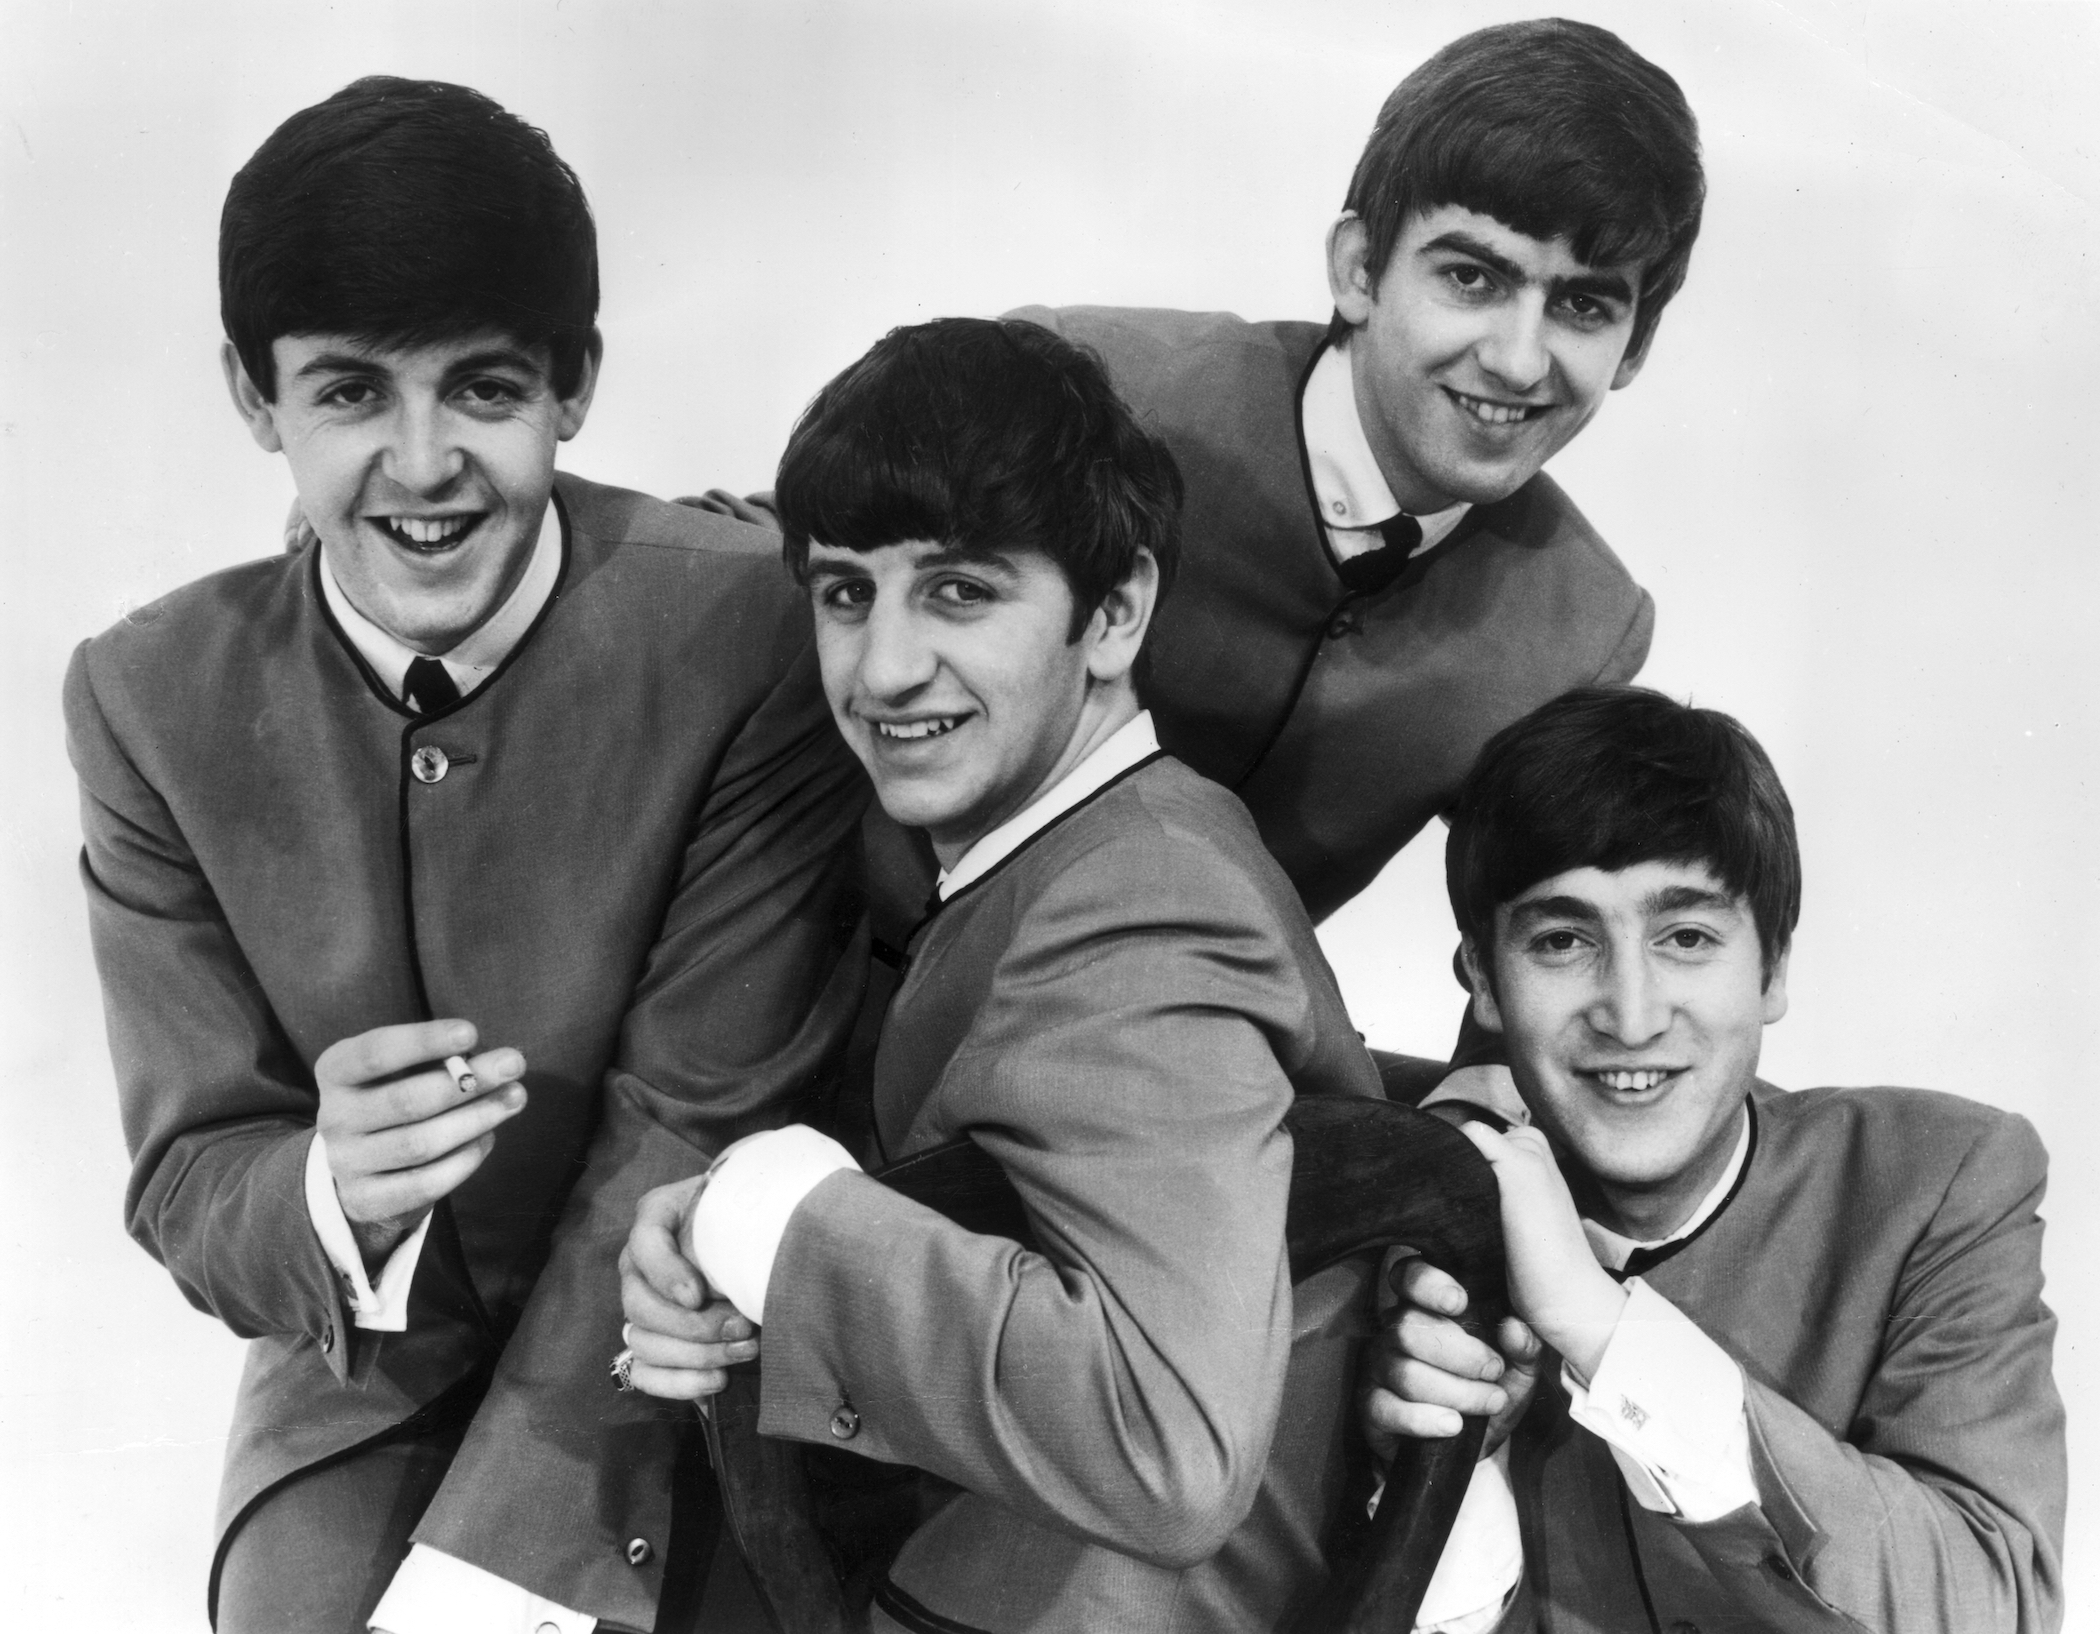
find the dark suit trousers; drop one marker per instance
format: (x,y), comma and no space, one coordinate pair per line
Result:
(315,1555)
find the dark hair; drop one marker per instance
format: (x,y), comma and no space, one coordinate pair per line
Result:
(984,435)
(403,212)
(1606,777)
(1557,130)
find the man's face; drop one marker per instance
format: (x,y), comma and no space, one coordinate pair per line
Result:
(424,469)
(1478,352)
(1633,1004)
(953,678)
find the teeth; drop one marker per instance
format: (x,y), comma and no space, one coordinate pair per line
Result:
(1494,414)
(1647,1078)
(428,530)
(918,729)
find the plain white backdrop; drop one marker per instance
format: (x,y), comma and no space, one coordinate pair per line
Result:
(1856,475)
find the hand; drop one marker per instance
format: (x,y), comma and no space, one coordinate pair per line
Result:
(1555,1282)
(400,1135)
(682,1338)
(1426,1370)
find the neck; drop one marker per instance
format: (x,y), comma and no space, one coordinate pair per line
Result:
(1106,710)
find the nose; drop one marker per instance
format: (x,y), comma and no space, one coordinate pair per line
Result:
(896,659)
(1514,348)
(422,454)
(1630,1005)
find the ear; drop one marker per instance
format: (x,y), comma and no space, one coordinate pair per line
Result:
(1775,988)
(257,412)
(1117,629)
(1630,364)
(1485,1009)
(1350,278)
(577,405)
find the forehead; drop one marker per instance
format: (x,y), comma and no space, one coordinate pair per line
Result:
(1636,892)
(479,349)
(1455,228)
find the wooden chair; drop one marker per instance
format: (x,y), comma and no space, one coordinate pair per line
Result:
(1367,1175)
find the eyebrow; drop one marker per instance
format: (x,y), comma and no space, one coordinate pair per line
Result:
(1606,285)
(493,357)
(1525,914)
(1680,898)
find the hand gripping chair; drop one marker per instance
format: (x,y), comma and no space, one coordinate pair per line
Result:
(1367,1175)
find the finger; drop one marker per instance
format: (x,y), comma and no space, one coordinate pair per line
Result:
(678,1384)
(406,1192)
(1387,1413)
(1423,1285)
(652,1248)
(666,1351)
(1432,1387)
(1442,1343)
(385,1051)
(1492,1144)
(1518,1344)
(415,1145)
(718,1321)
(431,1091)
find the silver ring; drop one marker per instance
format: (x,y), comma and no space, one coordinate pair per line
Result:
(622,1370)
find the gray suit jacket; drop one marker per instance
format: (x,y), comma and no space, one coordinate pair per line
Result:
(1120,1013)
(634,868)
(1877,1274)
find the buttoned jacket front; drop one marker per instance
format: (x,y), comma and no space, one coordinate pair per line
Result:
(1877,1275)
(623,854)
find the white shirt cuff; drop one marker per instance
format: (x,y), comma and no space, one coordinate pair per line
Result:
(383,1308)
(742,1212)
(437,1593)
(1668,1402)
(1483,1560)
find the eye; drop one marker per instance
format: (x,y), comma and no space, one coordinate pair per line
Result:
(845,595)
(1469,278)
(1589,311)
(1557,943)
(489,392)
(349,394)
(961,593)
(1690,939)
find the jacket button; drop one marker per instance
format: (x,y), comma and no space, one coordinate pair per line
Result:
(845,1423)
(548,1628)
(1780,1567)
(1343,624)
(638,1551)
(327,1336)
(429,765)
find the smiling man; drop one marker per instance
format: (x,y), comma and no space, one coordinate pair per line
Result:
(454,879)
(1116,994)
(1798,1367)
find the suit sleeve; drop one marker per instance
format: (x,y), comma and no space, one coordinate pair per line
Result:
(747,997)
(1122,1384)
(1942,1509)
(218,1107)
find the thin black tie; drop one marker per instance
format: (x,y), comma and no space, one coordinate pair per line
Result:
(1371,572)
(429,686)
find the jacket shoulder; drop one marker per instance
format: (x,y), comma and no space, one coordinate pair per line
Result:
(190,630)
(1907,1138)
(621,516)
(1144,345)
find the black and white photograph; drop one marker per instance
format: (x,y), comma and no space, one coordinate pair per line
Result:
(1187,816)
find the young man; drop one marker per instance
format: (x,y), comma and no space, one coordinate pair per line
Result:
(1117,994)
(1376,575)
(1796,1366)
(453,880)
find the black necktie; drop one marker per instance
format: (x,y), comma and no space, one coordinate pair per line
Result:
(1372,571)
(429,686)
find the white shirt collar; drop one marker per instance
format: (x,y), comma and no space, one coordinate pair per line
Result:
(1114,755)
(1495,1090)
(1351,491)
(475,659)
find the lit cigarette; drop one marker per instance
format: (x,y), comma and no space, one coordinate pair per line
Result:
(457,1066)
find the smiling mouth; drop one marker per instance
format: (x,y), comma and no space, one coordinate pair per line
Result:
(1496,414)
(1632,1080)
(426,535)
(931,726)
